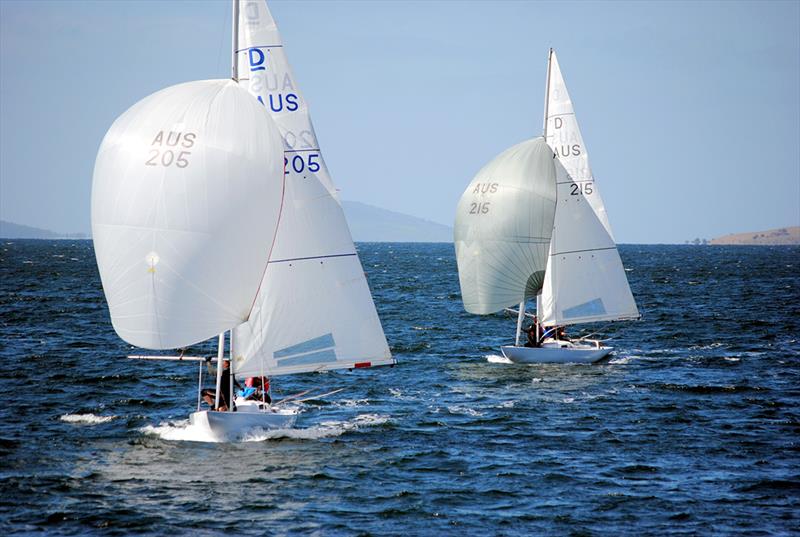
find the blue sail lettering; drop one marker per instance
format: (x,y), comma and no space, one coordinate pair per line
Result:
(291,102)
(256,60)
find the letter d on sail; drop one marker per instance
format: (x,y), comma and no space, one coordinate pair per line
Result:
(256,57)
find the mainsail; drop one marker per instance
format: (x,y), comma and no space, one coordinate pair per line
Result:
(314,310)
(503,225)
(186,196)
(584,280)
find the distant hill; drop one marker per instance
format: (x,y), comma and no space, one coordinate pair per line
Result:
(373,224)
(367,224)
(773,237)
(10,230)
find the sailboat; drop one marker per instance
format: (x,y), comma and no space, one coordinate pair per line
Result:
(214,215)
(532,225)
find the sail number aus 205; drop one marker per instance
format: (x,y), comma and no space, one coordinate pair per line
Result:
(162,154)
(299,163)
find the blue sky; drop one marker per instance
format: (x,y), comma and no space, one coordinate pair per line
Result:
(690,111)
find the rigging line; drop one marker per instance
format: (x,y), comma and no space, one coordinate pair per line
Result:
(313,257)
(298,150)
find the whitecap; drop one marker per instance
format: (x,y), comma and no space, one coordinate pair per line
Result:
(457,409)
(89,419)
(184,431)
(181,430)
(497,359)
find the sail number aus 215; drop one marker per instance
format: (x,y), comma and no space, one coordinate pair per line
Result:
(479,208)
(580,189)
(169,149)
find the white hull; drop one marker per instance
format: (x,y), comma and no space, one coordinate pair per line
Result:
(247,419)
(556,352)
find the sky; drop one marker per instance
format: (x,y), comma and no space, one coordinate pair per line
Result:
(690,111)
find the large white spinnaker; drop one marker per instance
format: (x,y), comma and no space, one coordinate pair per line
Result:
(186,195)
(584,280)
(314,310)
(502,229)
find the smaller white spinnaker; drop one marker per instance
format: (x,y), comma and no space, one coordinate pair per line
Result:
(186,195)
(585,280)
(502,229)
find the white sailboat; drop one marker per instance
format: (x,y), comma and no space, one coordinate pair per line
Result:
(532,225)
(213,212)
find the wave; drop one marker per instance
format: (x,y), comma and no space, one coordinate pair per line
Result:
(89,419)
(497,359)
(184,431)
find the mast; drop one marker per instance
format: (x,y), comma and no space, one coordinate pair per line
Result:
(220,355)
(235,41)
(547,92)
(230,376)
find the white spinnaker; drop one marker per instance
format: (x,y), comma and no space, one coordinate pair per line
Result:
(585,280)
(185,200)
(314,310)
(503,225)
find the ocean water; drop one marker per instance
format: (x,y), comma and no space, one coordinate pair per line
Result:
(691,428)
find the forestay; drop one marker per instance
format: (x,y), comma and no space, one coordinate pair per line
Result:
(185,200)
(503,225)
(314,310)
(585,280)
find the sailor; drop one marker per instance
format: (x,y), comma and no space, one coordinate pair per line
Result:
(209,395)
(561,333)
(261,392)
(533,335)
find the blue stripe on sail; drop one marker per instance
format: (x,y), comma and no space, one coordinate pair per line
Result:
(327,355)
(587,309)
(314,344)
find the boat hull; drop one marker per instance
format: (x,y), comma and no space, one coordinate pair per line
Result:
(235,425)
(562,353)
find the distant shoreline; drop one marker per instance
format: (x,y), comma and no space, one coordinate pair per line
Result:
(785,236)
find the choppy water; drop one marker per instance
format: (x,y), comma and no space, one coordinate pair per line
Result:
(692,427)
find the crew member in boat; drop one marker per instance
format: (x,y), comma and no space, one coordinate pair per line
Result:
(561,333)
(533,334)
(261,391)
(209,395)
